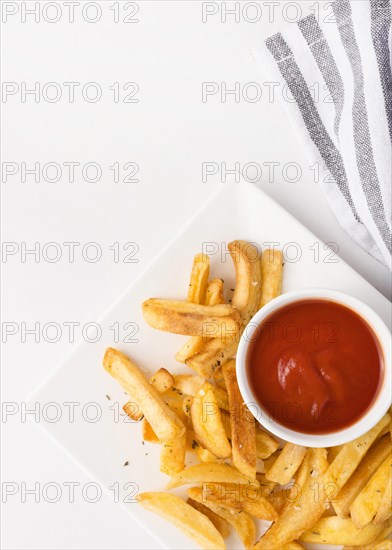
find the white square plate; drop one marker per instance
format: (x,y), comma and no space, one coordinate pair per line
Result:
(99,438)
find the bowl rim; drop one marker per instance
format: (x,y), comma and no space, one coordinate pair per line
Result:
(376,410)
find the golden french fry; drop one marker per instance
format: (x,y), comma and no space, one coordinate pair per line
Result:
(219,381)
(314,462)
(333,452)
(188,384)
(162,380)
(385,510)
(243,426)
(214,296)
(207,422)
(204,455)
(226,423)
(178,317)
(351,454)
(266,445)
(373,459)
(148,433)
(191,347)
(222,398)
(385,544)
(365,506)
(187,404)
(247,293)
(297,515)
(132,411)
(240,520)
(208,471)
(185,517)
(214,293)
(163,421)
(301,516)
(271,275)
(292,546)
(199,277)
(287,464)
(267,487)
(173,456)
(270,460)
(220,523)
(240,497)
(334,530)
(214,354)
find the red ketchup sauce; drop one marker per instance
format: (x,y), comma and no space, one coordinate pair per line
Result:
(315,366)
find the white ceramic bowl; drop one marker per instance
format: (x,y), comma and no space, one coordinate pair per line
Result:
(376,410)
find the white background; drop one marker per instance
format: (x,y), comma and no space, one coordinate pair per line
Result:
(169,133)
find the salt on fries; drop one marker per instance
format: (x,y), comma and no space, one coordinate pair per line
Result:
(337,496)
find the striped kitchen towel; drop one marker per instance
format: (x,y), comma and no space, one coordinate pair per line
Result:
(337,79)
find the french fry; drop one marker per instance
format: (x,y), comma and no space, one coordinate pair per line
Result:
(225,416)
(240,497)
(297,515)
(385,510)
(222,398)
(220,523)
(334,530)
(187,404)
(214,293)
(301,516)
(199,277)
(243,426)
(266,445)
(292,546)
(190,521)
(188,384)
(287,464)
(373,459)
(173,456)
(219,381)
(213,355)
(247,293)
(270,460)
(207,423)
(214,296)
(191,347)
(365,506)
(315,460)
(333,452)
(385,544)
(267,487)
(132,411)
(271,275)
(208,471)
(204,455)
(162,380)
(148,433)
(215,352)
(240,520)
(351,454)
(220,321)
(164,422)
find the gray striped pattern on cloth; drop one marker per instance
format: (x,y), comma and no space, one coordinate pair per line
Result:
(350,135)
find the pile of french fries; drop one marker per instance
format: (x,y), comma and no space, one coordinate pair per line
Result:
(340,495)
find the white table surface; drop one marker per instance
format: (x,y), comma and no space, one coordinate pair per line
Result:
(169,133)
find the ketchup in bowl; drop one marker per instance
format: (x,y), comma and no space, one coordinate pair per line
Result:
(315,366)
